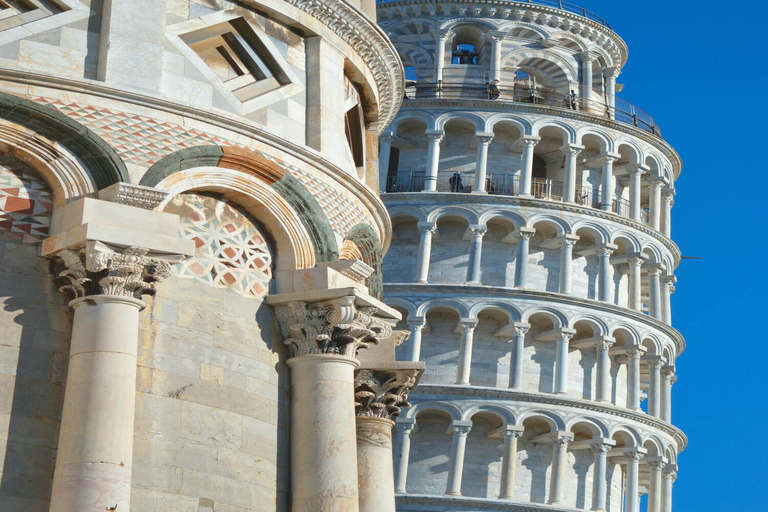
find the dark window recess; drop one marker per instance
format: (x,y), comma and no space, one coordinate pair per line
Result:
(353,127)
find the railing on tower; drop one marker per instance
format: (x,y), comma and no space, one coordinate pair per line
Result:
(557,4)
(521,92)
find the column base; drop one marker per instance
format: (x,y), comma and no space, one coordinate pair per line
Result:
(606,207)
(453,494)
(420,282)
(479,192)
(473,283)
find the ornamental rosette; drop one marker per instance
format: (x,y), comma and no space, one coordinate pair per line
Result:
(332,329)
(130,273)
(382,394)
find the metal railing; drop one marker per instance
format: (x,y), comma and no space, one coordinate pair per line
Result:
(557,4)
(622,111)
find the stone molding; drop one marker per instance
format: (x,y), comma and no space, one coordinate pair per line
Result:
(447,502)
(146,198)
(558,401)
(382,393)
(368,41)
(100,270)
(331,329)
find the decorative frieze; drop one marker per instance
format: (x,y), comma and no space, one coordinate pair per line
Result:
(146,198)
(100,270)
(382,393)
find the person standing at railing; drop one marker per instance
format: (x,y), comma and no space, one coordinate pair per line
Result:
(455,182)
(570,100)
(493,90)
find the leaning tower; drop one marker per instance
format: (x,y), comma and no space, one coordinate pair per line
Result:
(532,262)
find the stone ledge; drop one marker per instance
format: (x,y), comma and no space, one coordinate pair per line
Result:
(427,503)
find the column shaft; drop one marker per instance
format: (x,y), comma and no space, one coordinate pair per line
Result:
(607,185)
(586,77)
(475,255)
(667,373)
(599,471)
(496,57)
(634,194)
(509,465)
(518,347)
(424,254)
(566,265)
(635,278)
(465,355)
(433,160)
(456,468)
(603,392)
(633,378)
(374,464)
(655,203)
(654,388)
(569,185)
(521,266)
(654,277)
(669,479)
(481,167)
(526,176)
(605,275)
(632,491)
(667,214)
(559,459)
(403,455)
(385,151)
(414,340)
(655,487)
(561,364)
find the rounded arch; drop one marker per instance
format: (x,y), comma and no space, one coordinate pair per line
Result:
(448,408)
(652,344)
(367,241)
(413,55)
(503,215)
(512,26)
(597,324)
(596,427)
(465,213)
(558,68)
(484,24)
(552,419)
(630,151)
(626,241)
(513,313)
(580,43)
(561,225)
(626,435)
(450,117)
(411,27)
(626,333)
(605,142)
(567,131)
(506,416)
(524,125)
(401,212)
(654,254)
(404,304)
(457,306)
(653,446)
(597,231)
(414,116)
(178,171)
(558,318)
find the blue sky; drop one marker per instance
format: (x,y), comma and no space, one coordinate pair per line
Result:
(701,68)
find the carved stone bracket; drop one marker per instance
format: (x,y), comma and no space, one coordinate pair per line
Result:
(382,393)
(331,328)
(100,270)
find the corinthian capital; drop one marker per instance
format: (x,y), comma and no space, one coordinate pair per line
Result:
(382,393)
(331,328)
(100,270)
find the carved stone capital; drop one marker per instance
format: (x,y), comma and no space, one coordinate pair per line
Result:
(460,430)
(100,270)
(633,455)
(336,328)
(382,393)
(600,447)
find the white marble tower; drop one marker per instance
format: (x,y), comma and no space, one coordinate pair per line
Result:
(532,262)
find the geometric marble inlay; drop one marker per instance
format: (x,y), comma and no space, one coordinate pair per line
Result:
(230,251)
(26,202)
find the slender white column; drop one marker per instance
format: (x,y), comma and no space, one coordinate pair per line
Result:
(635,188)
(654,279)
(435,137)
(670,475)
(467,327)
(404,430)
(635,283)
(416,325)
(441,39)
(599,473)
(375,472)
(603,347)
(655,185)
(632,491)
(654,386)
(608,183)
(668,376)
(526,175)
(95,450)
(481,167)
(496,38)
(385,150)
(523,251)
(586,76)
(559,460)
(518,347)
(572,153)
(426,229)
(509,462)
(668,199)
(456,464)
(633,377)
(611,74)
(566,263)
(655,485)
(605,272)
(561,362)
(667,287)
(476,254)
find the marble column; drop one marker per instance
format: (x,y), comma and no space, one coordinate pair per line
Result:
(526,174)
(572,153)
(635,189)
(456,464)
(654,386)
(426,230)
(415,325)
(467,327)
(481,167)
(633,377)
(95,450)
(667,287)
(566,263)
(655,185)
(434,137)
(603,347)
(586,77)
(385,151)
(669,476)
(561,362)
(599,474)
(518,348)
(496,38)
(655,487)
(654,279)
(608,183)
(635,283)
(476,255)
(667,199)
(559,460)
(605,274)
(632,488)
(523,251)
(611,74)
(324,339)
(403,454)
(509,462)
(667,376)
(379,396)
(441,39)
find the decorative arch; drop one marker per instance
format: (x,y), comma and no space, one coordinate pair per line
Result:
(506,416)
(554,421)
(413,55)
(568,131)
(423,117)
(367,241)
(438,213)
(606,142)
(456,305)
(414,212)
(524,125)
(596,424)
(445,407)
(559,319)
(513,314)
(596,322)
(449,117)
(561,224)
(178,171)
(546,61)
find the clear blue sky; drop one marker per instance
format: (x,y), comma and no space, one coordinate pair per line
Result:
(701,69)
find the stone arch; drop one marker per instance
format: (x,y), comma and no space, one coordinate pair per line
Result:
(598,325)
(509,309)
(605,141)
(422,117)
(423,407)
(367,241)
(465,213)
(598,231)
(451,24)
(413,55)
(404,211)
(627,435)
(504,215)
(552,419)
(457,306)
(506,416)
(510,27)
(404,304)
(558,318)
(579,42)
(450,117)
(548,62)
(265,181)
(561,225)
(522,124)
(595,426)
(423,26)
(567,131)
(627,240)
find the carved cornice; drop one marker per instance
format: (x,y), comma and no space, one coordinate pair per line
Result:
(332,329)
(99,270)
(368,41)
(557,401)
(382,393)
